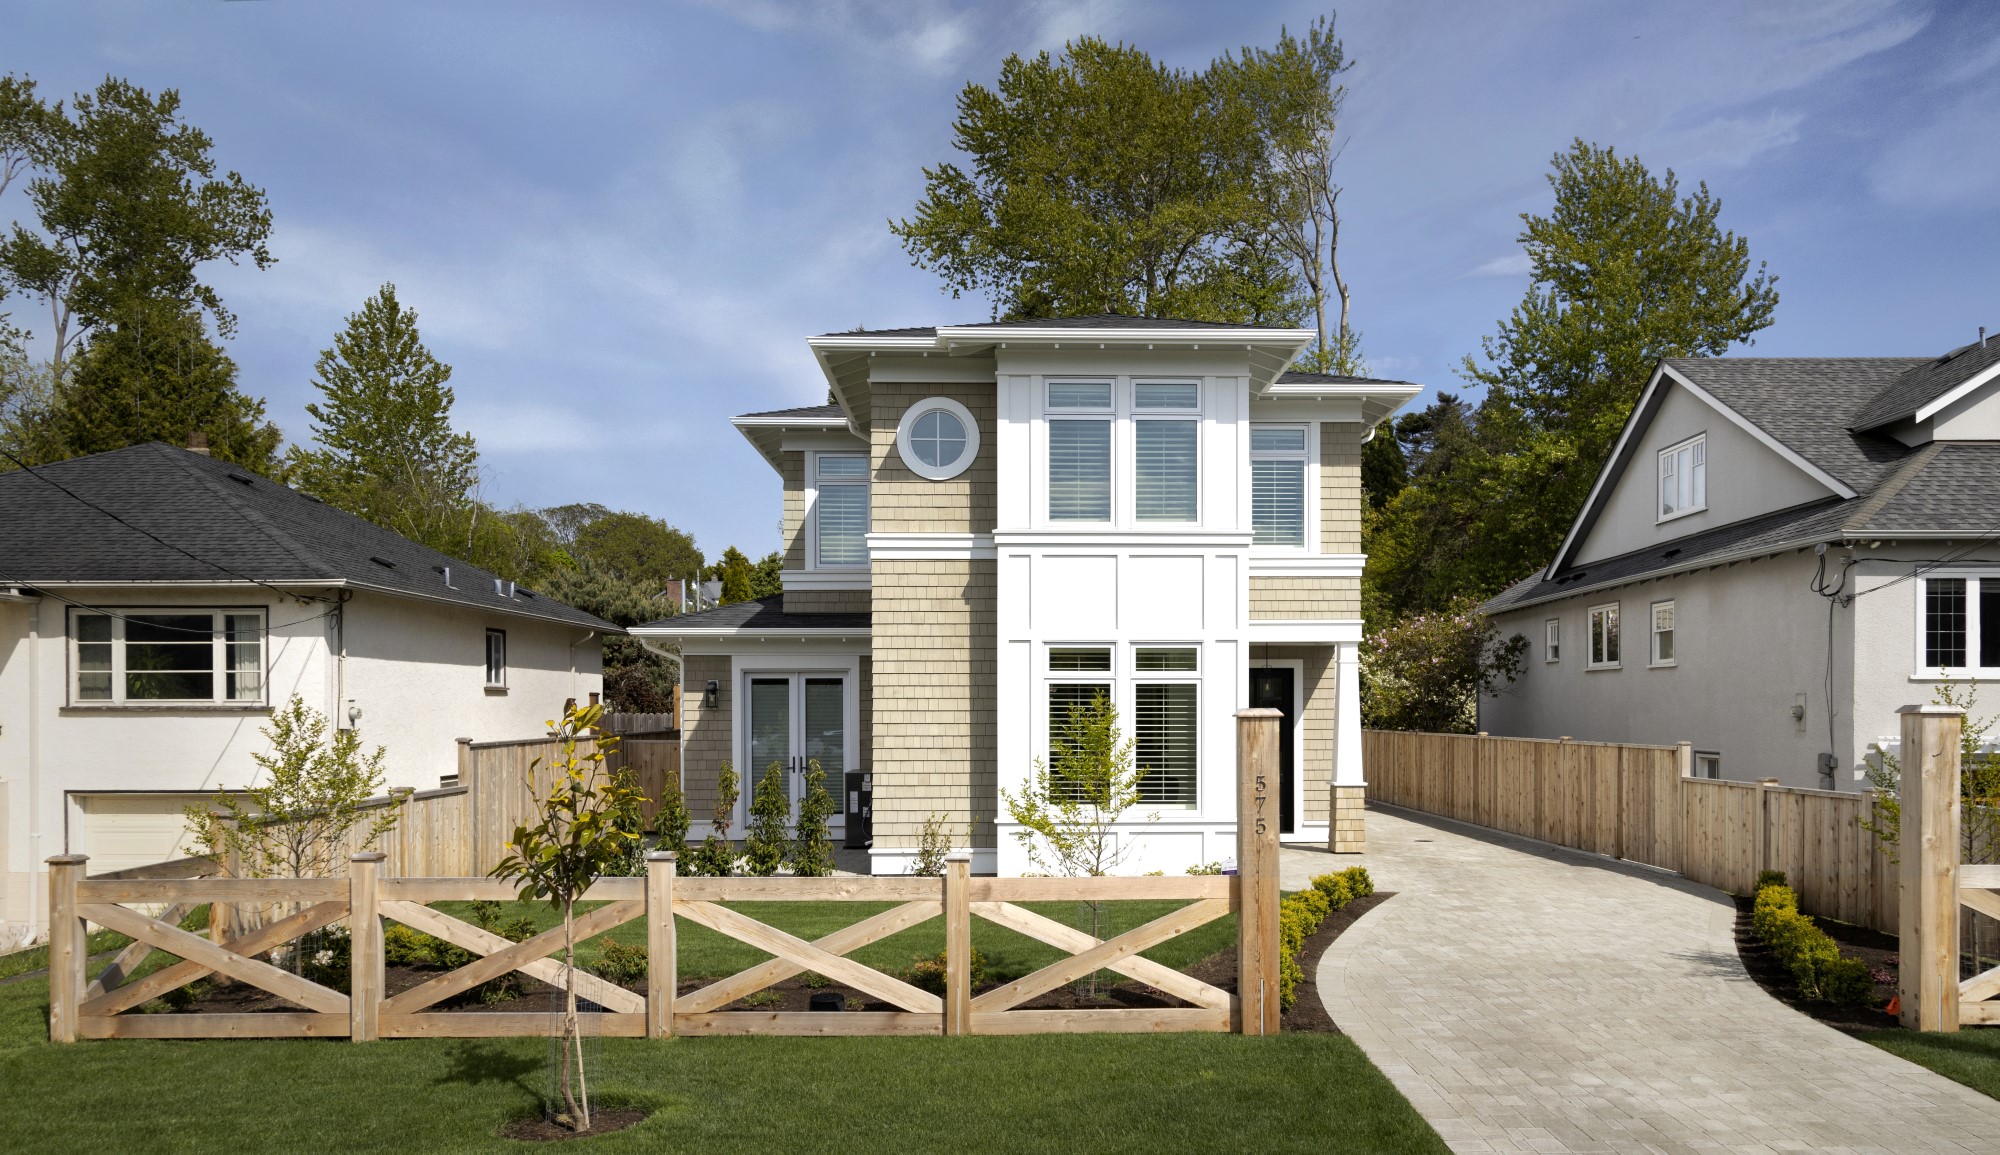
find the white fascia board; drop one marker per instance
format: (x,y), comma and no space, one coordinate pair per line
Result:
(1274,632)
(930,546)
(1769,442)
(1307,564)
(1100,540)
(1958,392)
(981,335)
(805,580)
(1270,408)
(1390,394)
(670,633)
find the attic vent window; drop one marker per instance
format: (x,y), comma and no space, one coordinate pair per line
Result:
(445,571)
(241,479)
(504,588)
(1675,552)
(384,562)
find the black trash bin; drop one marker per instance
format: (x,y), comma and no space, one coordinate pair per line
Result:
(860,810)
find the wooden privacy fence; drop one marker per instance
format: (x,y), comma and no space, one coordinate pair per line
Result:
(366,898)
(1938,990)
(1641,803)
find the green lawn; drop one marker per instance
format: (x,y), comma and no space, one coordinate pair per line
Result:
(1053,1092)
(1970,1056)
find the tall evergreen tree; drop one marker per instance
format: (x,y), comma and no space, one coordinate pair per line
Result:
(154,375)
(383,443)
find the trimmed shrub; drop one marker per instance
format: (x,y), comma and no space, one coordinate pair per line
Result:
(927,973)
(1358,881)
(1807,951)
(620,963)
(1768,878)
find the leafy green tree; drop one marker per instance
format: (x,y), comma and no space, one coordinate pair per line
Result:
(812,836)
(384,447)
(577,839)
(636,680)
(634,546)
(1104,181)
(1426,671)
(715,857)
(28,431)
(127,208)
(769,580)
(737,573)
(1625,271)
(155,376)
(764,843)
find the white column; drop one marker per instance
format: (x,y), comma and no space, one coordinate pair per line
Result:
(1347,720)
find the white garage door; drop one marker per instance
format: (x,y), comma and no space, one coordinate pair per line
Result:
(121,831)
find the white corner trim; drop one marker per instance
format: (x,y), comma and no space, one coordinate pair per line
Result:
(1296,564)
(930,546)
(826,579)
(1769,442)
(1959,391)
(905,430)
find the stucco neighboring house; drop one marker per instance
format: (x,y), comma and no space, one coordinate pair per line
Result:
(993,521)
(1779,553)
(156,605)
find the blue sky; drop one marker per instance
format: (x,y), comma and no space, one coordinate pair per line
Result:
(619,222)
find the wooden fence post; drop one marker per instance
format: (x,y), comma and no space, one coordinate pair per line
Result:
(364,927)
(68,947)
(1927,979)
(1257,871)
(662,958)
(958,943)
(1760,834)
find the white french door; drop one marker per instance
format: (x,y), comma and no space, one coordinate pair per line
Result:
(795,719)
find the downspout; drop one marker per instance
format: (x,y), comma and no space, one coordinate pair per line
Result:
(680,676)
(573,687)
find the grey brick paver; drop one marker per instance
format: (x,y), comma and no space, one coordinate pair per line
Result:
(1527,998)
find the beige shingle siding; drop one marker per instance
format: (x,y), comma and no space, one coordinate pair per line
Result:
(704,733)
(1340,487)
(794,474)
(1316,721)
(902,502)
(1305,598)
(826,601)
(866,705)
(932,671)
(1350,833)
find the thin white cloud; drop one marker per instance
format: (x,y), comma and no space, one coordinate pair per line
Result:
(1953,162)
(1511,265)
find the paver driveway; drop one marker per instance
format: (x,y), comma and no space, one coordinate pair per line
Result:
(1528,998)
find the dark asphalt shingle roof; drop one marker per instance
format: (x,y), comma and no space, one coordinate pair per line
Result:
(1089,321)
(155,513)
(1291,377)
(803,413)
(1958,490)
(1807,404)
(762,615)
(1924,383)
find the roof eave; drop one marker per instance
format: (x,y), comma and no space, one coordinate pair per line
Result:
(767,434)
(1378,400)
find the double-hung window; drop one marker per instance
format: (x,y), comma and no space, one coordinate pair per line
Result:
(1604,637)
(1960,628)
(1663,634)
(1079,450)
(1078,675)
(1165,455)
(1552,640)
(184,656)
(840,510)
(1166,705)
(1278,484)
(1684,478)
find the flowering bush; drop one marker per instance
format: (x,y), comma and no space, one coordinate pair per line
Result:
(1426,671)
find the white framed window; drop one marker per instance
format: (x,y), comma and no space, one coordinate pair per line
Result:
(182,655)
(1076,675)
(839,514)
(1663,634)
(1684,478)
(1080,450)
(1707,764)
(1958,624)
(1278,506)
(1166,455)
(1166,714)
(1552,640)
(496,659)
(1604,637)
(937,438)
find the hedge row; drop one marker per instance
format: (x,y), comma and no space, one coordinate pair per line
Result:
(1810,953)
(1301,914)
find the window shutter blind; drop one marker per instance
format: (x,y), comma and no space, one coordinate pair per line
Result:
(1164,741)
(843,524)
(1165,469)
(1278,502)
(1079,471)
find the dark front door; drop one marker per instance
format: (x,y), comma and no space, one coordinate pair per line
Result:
(1271,688)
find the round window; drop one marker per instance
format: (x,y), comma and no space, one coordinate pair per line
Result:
(937,438)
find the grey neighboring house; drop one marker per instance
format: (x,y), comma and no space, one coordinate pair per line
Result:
(1779,553)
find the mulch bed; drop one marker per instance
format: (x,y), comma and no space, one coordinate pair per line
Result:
(603,1121)
(1872,946)
(1308,1013)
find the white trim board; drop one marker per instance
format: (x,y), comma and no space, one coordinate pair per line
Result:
(929,546)
(1295,564)
(1958,392)
(808,580)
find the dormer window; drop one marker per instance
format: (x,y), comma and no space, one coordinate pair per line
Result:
(840,510)
(1684,478)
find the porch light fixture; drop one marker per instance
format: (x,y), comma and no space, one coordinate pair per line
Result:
(711,694)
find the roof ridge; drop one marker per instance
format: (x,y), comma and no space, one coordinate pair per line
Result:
(1891,486)
(254,518)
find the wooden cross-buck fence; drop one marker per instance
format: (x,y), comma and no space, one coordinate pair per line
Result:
(365,899)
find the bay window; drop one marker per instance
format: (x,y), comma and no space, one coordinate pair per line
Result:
(167,656)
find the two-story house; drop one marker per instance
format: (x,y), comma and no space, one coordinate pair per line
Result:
(994,521)
(1778,554)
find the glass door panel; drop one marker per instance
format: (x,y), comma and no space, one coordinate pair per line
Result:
(826,727)
(770,729)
